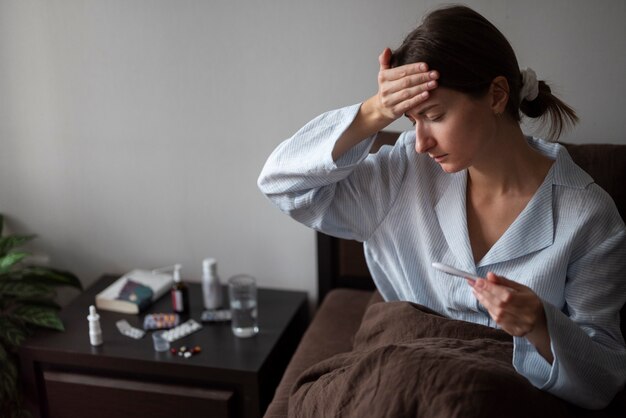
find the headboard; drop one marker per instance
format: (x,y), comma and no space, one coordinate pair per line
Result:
(341,263)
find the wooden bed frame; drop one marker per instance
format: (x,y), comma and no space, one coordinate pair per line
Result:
(340,263)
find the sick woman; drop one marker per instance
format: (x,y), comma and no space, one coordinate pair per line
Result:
(465,187)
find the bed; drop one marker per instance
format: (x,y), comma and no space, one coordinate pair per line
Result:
(342,366)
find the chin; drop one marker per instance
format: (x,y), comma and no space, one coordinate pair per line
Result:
(451,168)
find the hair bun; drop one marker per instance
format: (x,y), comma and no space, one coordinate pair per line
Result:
(530,85)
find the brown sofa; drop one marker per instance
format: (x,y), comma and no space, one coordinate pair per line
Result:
(346,289)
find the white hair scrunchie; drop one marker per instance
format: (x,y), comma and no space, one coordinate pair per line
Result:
(530,85)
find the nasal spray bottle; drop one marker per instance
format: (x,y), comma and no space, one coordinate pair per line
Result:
(180,293)
(211,286)
(95,332)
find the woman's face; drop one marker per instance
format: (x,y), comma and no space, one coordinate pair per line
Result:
(454,128)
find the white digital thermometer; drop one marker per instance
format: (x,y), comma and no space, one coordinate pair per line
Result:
(455,272)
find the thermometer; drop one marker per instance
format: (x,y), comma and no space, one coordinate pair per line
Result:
(455,272)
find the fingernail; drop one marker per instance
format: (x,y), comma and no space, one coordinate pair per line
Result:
(433,74)
(479,283)
(423,67)
(432,84)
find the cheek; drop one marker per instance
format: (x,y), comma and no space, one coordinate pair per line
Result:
(453,131)
(471,129)
(463,135)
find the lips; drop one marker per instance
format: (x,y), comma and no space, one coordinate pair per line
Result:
(439,158)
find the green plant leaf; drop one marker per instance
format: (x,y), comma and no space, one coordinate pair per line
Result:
(45,301)
(11,333)
(49,276)
(26,302)
(39,315)
(8,383)
(22,289)
(15,274)
(12,241)
(11,259)
(8,376)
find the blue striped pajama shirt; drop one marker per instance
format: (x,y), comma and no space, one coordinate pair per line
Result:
(568,244)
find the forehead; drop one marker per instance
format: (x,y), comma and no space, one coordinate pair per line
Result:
(442,97)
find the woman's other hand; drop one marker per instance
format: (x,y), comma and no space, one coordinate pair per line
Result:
(402,88)
(516,309)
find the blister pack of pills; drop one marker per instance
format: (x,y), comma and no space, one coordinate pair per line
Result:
(126,329)
(181,331)
(160,321)
(219,315)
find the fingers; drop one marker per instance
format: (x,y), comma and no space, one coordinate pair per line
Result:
(493,297)
(397,96)
(515,310)
(408,70)
(493,278)
(395,81)
(402,88)
(384,59)
(401,102)
(415,83)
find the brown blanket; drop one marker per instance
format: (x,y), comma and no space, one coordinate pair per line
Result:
(408,361)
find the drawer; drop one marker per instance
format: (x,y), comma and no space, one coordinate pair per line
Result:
(80,395)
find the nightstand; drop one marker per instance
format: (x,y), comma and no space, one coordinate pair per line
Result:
(64,376)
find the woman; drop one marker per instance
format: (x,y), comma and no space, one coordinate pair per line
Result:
(468,189)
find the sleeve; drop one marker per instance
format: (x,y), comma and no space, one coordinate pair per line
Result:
(347,198)
(589,366)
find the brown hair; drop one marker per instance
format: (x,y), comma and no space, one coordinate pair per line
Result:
(469,53)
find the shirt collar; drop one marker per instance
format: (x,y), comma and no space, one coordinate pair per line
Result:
(565,172)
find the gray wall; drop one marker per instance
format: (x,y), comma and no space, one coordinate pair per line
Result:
(133,132)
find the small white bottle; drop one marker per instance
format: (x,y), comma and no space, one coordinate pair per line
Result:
(95,332)
(211,286)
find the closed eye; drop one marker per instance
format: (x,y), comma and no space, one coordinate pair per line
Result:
(435,118)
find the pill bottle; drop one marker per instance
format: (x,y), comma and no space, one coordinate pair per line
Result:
(180,293)
(211,285)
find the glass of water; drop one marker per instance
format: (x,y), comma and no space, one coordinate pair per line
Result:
(160,343)
(243,301)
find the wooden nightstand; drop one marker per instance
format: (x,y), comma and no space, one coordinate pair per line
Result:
(64,376)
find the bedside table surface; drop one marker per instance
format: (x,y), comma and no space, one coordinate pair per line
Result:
(221,350)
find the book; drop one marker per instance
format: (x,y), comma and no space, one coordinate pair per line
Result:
(134,292)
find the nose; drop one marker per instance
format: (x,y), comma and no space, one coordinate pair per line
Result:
(423,138)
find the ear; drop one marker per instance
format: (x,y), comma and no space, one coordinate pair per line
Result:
(499,92)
